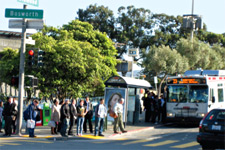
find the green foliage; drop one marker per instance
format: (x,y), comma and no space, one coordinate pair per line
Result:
(163,60)
(139,27)
(199,54)
(78,59)
(9,64)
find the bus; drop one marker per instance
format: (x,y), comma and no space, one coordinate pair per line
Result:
(191,96)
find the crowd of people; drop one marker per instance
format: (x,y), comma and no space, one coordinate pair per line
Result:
(9,112)
(66,115)
(155,108)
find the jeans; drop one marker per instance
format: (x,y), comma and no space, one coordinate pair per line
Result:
(99,121)
(64,126)
(80,122)
(31,131)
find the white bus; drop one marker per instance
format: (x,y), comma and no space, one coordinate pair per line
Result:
(192,96)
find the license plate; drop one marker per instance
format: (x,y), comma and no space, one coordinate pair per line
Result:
(214,127)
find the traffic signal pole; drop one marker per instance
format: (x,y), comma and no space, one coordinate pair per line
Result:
(21,76)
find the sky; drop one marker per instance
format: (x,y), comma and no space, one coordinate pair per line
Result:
(58,12)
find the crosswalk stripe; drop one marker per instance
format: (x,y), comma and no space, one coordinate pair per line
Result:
(10,144)
(34,141)
(186,145)
(162,143)
(137,141)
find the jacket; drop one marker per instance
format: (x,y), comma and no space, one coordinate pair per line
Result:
(65,112)
(73,112)
(8,109)
(90,111)
(80,111)
(33,111)
(55,113)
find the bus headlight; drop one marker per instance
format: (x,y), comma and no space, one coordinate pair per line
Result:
(201,115)
(170,114)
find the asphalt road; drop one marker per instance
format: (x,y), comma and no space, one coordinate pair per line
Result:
(161,138)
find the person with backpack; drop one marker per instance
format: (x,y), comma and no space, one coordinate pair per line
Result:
(33,111)
(100,114)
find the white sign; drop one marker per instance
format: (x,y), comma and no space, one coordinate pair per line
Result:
(155,79)
(134,52)
(30,41)
(31,24)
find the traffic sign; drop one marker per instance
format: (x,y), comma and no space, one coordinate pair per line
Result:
(24,13)
(30,2)
(31,23)
(30,41)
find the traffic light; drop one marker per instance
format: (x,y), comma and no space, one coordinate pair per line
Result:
(15,81)
(30,58)
(41,54)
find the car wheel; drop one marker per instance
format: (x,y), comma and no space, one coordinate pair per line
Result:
(206,147)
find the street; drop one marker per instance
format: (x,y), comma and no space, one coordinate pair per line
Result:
(162,137)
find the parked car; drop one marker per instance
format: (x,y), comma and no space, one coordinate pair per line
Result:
(212,130)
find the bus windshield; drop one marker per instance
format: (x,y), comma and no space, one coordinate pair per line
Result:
(177,93)
(198,94)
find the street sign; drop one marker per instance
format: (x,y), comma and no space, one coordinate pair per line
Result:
(30,2)
(24,13)
(30,41)
(31,23)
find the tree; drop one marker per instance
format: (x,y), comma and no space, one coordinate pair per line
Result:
(78,59)
(9,64)
(163,61)
(199,54)
(100,17)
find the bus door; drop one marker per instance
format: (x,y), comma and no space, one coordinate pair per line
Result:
(212,99)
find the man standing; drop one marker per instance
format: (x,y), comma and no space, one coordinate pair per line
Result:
(100,114)
(73,116)
(118,120)
(33,111)
(89,115)
(7,113)
(65,117)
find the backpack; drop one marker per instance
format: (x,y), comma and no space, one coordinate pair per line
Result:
(26,114)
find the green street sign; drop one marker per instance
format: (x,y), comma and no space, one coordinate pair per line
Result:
(30,2)
(23,13)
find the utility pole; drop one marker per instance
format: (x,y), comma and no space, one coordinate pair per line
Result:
(21,75)
(192,20)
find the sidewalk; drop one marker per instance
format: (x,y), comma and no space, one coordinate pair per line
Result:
(45,131)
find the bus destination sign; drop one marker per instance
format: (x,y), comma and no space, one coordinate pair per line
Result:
(186,81)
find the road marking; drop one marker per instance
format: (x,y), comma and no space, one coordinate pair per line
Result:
(34,141)
(186,145)
(92,137)
(10,144)
(137,141)
(161,143)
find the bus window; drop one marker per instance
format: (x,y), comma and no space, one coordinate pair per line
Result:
(220,95)
(198,94)
(211,94)
(177,93)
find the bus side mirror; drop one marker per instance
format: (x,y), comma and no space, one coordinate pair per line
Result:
(213,99)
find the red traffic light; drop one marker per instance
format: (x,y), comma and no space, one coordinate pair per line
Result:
(31,52)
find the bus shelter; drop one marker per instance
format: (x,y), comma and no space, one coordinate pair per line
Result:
(131,90)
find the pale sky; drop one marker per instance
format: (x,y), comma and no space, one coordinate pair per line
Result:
(58,12)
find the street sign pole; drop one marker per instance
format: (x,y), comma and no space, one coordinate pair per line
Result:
(21,75)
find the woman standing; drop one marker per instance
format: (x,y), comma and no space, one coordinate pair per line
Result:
(55,116)
(81,112)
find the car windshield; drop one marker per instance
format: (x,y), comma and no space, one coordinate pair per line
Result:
(216,115)
(177,93)
(198,94)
